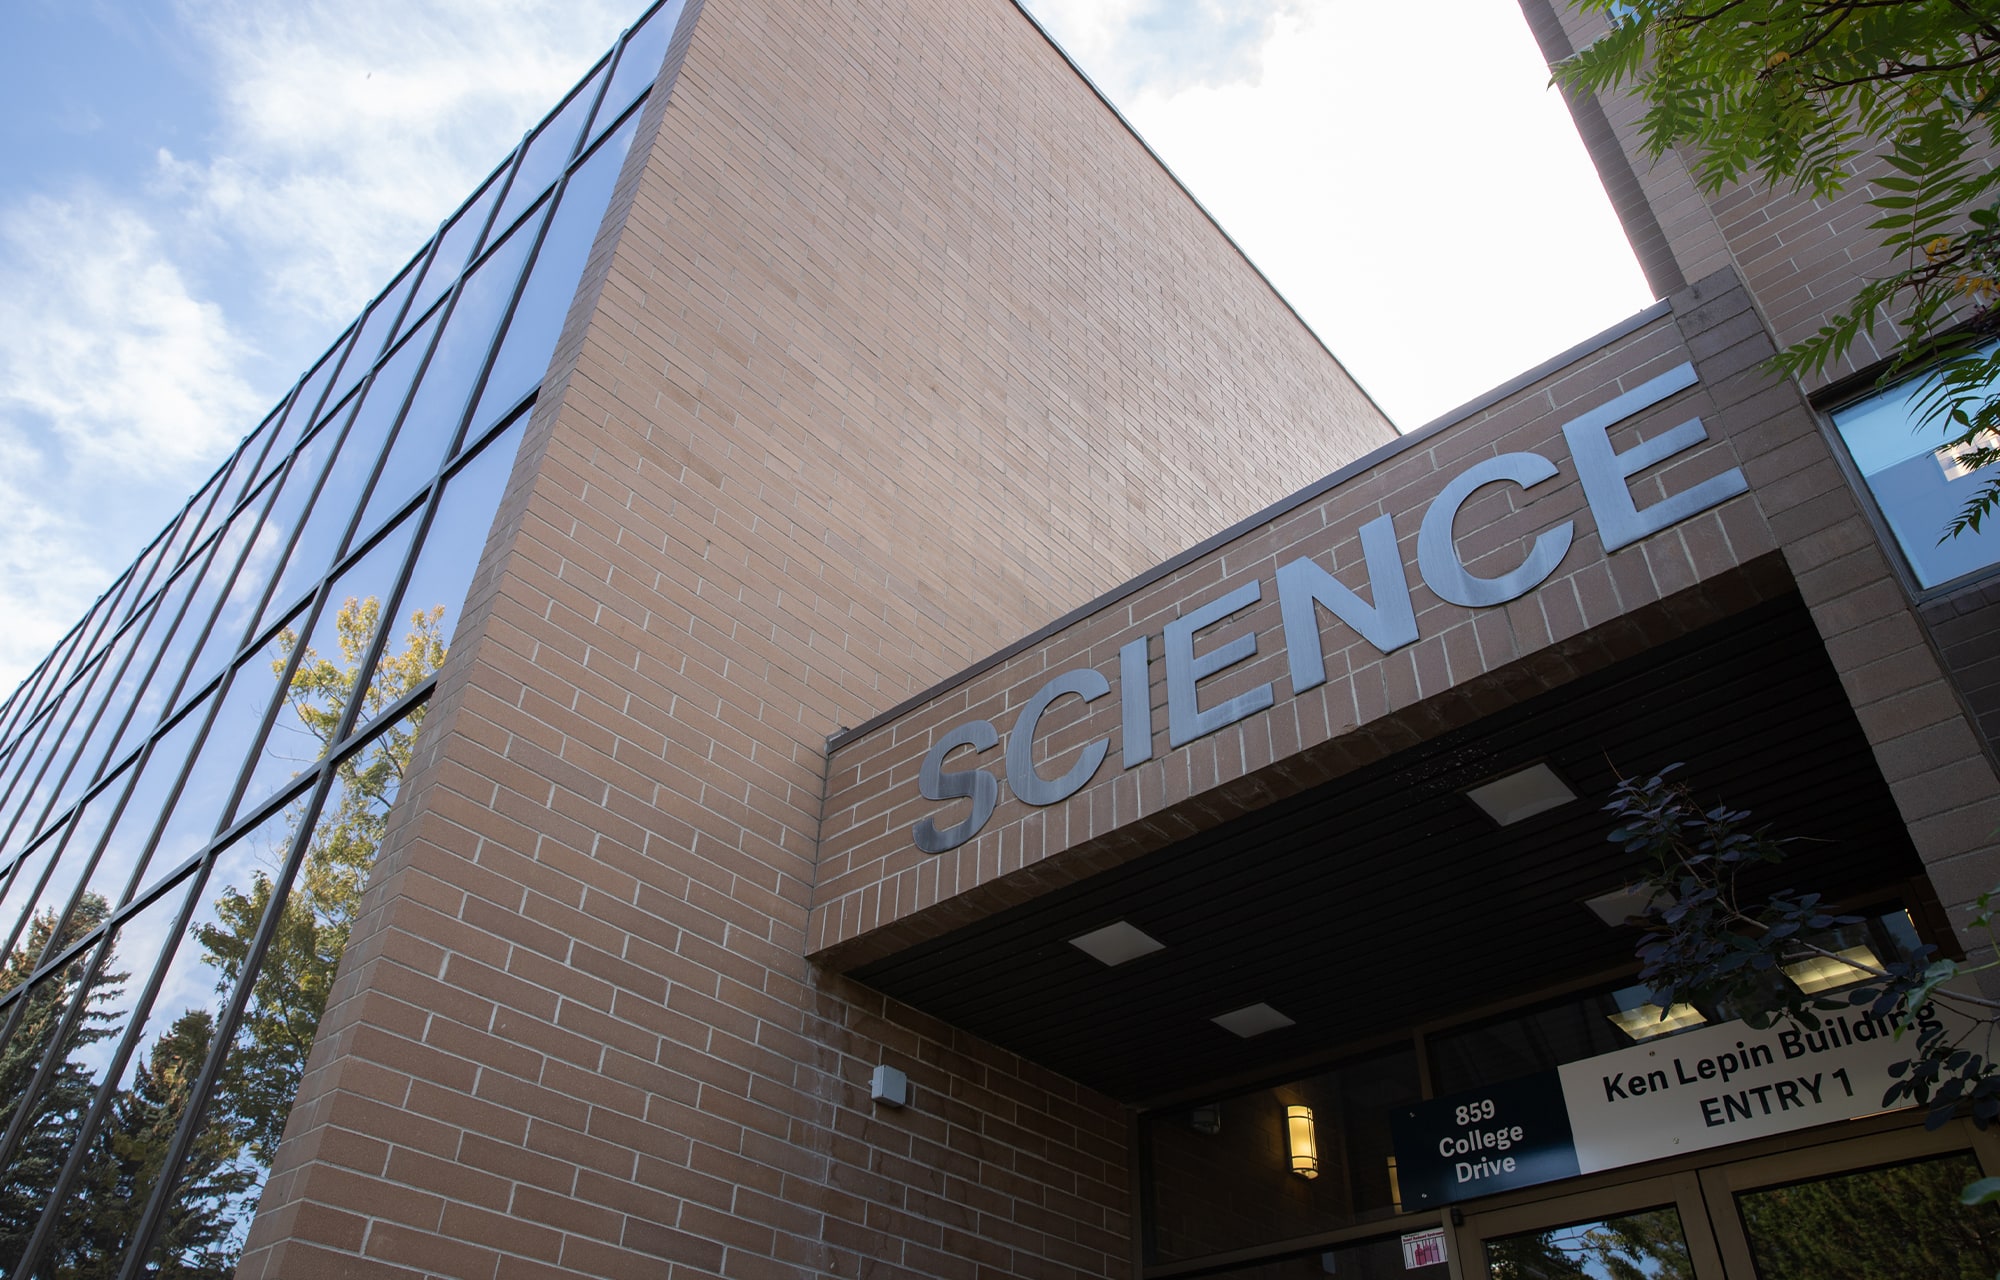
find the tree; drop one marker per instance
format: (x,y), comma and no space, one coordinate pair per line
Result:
(1705,941)
(54,1114)
(289,992)
(1799,94)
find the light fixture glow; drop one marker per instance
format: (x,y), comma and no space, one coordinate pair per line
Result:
(1299,1135)
(1521,795)
(1649,1020)
(1823,973)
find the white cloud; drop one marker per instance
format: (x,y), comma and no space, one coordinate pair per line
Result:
(347,131)
(352,129)
(1162,46)
(113,378)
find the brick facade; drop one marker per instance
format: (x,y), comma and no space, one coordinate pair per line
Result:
(897,341)
(897,348)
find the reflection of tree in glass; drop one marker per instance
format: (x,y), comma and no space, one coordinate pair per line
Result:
(219,1180)
(1880,1224)
(290,990)
(1636,1246)
(104,1205)
(56,1114)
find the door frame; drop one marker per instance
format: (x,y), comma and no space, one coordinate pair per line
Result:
(1703,1192)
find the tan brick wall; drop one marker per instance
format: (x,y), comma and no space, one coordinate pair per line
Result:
(905,346)
(878,893)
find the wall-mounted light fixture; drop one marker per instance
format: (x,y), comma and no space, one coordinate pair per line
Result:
(1299,1136)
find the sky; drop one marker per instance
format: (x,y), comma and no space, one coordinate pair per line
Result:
(196,196)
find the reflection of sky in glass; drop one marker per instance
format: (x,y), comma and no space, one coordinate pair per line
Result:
(140,943)
(548,152)
(644,51)
(1647,1244)
(245,569)
(1917,491)
(126,847)
(545,301)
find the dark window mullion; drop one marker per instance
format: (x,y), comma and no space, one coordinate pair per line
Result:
(79,1152)
(171,1166)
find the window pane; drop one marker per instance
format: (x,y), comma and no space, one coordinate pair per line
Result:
(431,603)
(50,1118)
(1905,1220)
(157,682)
(333,509)
(325,670)
(538,318)
(435,411)
(156,1072)
(246,705)
(549,150)
(113,702)
(23,891)
(130,840)
(1639,1246)
(288,993)
(639,62)
(275,538)
(1918,489)
(459,241)
(374,337)
(306,406)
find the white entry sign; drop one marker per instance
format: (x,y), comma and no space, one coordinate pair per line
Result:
(1727,1083)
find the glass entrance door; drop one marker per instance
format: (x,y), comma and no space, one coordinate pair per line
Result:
(1884,1207)
(1655,1229)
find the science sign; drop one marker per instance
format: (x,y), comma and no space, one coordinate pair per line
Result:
(1665,1097)
(1386,618)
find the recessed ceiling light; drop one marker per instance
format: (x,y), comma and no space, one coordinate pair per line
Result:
(1620,905)
(1521,794)
(1251,1020)
(1823,973)
(1116,943)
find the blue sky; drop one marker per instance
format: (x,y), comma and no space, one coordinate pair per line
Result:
(196,195)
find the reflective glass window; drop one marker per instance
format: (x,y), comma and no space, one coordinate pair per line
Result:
(274,539)
(1649,1245)
(131,839)
(1219,1176)
(40,1122)
(24,888)
(226,553)
(360,451)
(114,702)
(639,61)
(326,666)
(431,425)
(1902,1220)
(431,603)
(1918,484)
(306,404)
(538,318)
(549,150)
(151,1069)
(288,994)
(457,243)
(375,331)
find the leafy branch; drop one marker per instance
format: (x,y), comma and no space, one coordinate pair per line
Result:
(1819,95)
(1706,943)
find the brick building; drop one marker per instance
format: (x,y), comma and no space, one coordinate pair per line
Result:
(689,743)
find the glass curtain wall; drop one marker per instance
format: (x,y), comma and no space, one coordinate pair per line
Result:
(194,785)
